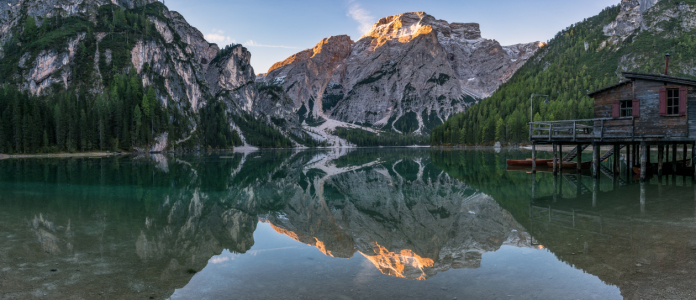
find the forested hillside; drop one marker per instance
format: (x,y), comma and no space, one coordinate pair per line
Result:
(70,82)
(579,59)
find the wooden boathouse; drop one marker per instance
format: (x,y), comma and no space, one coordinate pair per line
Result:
(641,112)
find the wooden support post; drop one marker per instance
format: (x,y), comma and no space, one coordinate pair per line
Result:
(674,158)
(642,197)
(693,159)
(533,185)
(628,155)
(628,162)
(595,191)
(595,161)
(685,155)
(534,166)
(579,158)
(660,159)
(643,161)
(615,160)
(560,159)
(555,188)
(555,160)
(635,155)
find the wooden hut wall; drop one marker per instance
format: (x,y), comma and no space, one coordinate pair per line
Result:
(691,113)
(603,108)
(650,122)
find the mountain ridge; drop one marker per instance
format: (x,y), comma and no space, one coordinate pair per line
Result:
(398,72)
(586,56)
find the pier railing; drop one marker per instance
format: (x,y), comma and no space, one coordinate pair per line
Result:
(583,129)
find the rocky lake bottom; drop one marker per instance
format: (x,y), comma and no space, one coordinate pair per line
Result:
(339,224)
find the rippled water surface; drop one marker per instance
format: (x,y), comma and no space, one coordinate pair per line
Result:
(339,224)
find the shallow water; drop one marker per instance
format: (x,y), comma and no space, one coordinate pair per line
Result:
(339,224)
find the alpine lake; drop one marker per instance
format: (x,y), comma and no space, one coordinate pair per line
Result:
(372,223)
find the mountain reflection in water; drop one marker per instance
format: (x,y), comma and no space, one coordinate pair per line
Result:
(208,225)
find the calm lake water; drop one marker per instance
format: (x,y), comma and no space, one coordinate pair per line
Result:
(339,224)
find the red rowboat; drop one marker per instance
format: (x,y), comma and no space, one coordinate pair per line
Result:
(527,162)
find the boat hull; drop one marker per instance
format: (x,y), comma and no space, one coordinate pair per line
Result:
(527,162)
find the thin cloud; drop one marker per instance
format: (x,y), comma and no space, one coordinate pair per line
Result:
(360,15)
(251,43)
(218,36)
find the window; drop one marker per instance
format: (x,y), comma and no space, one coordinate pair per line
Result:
(626,108)
(672,101)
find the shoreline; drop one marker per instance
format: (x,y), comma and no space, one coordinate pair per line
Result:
(58,155)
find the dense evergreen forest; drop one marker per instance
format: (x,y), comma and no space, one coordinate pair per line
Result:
(364,138)
(573,63)
(120,114)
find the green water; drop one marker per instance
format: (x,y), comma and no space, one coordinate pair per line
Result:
(339,224)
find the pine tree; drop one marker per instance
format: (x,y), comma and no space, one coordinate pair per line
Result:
(29,29)
(58,119)
(83,130)
(138,122)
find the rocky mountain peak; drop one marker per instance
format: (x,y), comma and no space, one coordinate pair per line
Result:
(407,73)
(407,26)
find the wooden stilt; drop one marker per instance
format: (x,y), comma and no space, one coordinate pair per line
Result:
(533,185)
(615,160)
(628,156)
(674,158)
(636,155)
(685,154)
(595,191)
(643,161)
(693,159)
(534,166)
(660,159)
(628,162)
(642,197)
(555,160)
(579,158)
(555,188)
(560,158)
(595,161)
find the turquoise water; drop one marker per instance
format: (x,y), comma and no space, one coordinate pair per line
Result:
(338,224)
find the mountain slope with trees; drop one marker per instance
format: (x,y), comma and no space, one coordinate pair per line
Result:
(125,75)
(584,57)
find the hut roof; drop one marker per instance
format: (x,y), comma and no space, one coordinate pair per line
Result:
(644,76)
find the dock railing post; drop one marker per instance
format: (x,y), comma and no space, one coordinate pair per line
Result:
(643,161)
(575,131)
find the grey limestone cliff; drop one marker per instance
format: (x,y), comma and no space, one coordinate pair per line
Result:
(408,73)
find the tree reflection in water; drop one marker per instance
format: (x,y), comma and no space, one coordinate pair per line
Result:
(120,226)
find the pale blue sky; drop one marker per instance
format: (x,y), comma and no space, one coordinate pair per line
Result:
(275,29)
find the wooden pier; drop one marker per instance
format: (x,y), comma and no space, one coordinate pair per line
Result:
(642,113)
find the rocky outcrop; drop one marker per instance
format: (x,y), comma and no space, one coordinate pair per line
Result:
(174,58)
(629,19)
(408,73)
